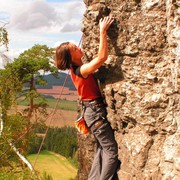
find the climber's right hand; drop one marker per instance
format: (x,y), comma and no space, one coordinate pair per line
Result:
(105,22)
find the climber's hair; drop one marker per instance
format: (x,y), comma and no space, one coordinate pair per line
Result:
(63,56)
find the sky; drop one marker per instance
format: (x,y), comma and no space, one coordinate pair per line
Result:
(48,22)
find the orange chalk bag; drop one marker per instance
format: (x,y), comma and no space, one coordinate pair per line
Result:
(81,125)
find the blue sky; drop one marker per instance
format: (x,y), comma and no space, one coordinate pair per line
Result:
(49,22)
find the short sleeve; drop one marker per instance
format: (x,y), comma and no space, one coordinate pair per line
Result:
(77,71)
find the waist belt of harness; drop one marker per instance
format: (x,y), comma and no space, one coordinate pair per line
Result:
(96,102)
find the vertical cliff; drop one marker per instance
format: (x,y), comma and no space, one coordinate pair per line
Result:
(141,83)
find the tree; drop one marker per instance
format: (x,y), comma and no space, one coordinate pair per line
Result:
(24,70)
(62,140)
(4,36)
(11,127)
(31,66)
(4,40)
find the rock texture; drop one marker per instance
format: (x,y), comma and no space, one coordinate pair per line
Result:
(141,83)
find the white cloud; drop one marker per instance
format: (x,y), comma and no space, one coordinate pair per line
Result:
(56,44)
(69,27)
(38,15)
(41,22)
(35,15)
(8,56)
(14,53)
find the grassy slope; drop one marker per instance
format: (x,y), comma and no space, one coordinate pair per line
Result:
(55,165)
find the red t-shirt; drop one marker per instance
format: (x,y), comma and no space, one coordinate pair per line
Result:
(87,88)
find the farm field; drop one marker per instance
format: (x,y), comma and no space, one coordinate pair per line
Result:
(61,117)
(65,114)
(53,164)
(62,104)
(55,92)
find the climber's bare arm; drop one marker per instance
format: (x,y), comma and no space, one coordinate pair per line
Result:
(93,65)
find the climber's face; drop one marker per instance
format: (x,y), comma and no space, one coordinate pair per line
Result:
(76,54)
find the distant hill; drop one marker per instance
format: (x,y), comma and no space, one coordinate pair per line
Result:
(52,81)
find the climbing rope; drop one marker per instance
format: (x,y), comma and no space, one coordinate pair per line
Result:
(30,129)
(51,117)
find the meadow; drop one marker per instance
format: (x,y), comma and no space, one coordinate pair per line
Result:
(55,165)
(62,104)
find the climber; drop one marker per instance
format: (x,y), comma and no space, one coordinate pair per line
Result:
(68,56)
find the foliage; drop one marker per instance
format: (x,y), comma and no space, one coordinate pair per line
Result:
(19,174)
(31,61)
(12,78)
(14,128)
(35,140)
(4,36)
(18,127)
(46,176)
(11,130)
(28,66)
(60,140)
(9,87)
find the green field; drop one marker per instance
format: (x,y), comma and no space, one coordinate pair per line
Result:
(62,104)
(54,164)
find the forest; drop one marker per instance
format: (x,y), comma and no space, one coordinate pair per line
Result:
(59,140)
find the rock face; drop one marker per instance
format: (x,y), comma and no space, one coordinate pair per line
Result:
(141,83)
